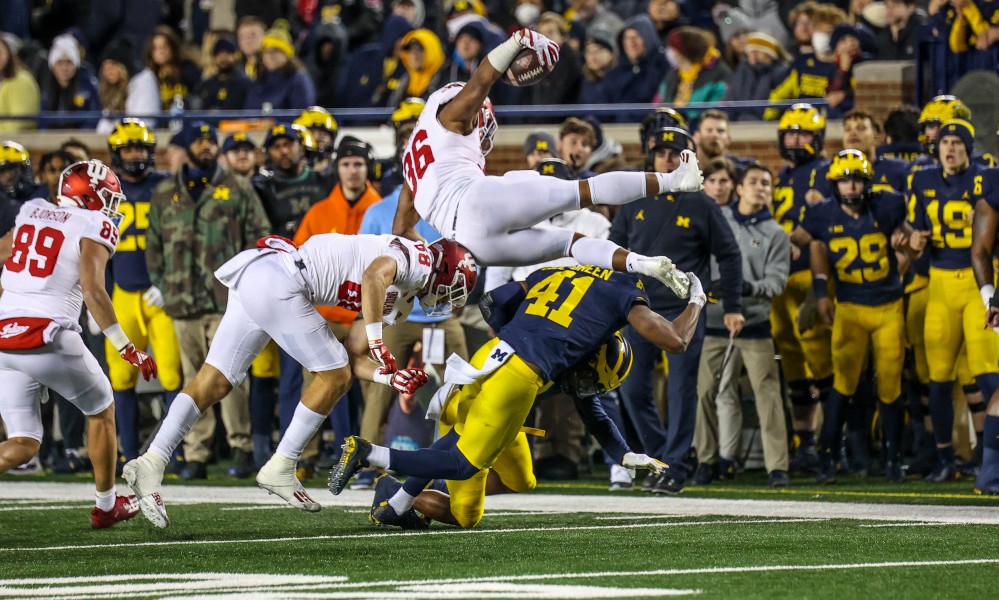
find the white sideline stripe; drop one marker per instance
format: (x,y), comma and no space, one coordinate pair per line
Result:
(260,507)
(405,534)
(907,525)
(45,507)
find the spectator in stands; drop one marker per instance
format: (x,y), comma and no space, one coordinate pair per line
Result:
(666,16)
(764,67)
(67,88)
(422,56)
(250,33)
(19,93)
(122,90)
(851,44)
(641,66)
(599,57)
(811,74)
(325,59)
(763,15)
(802,26)
(413,11)
(562,85)
(589,14)
(382,61)
(363,20)
(468,51)
(527,13)
(608,154)
(177,75)
(576,140)
(239,155)
(898,40)
(228,87)
(76,148)
(50,168)
(734,27)
(538,146)
(713,140)
(698,74)
(281,82)
(719,180)
(901,128)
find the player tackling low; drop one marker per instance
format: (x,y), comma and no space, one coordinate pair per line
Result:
(54,260)
(497,217)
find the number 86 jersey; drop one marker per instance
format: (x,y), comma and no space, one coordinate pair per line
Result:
(42,276)
(439,165)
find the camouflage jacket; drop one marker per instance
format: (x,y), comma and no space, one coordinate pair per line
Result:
(189,239)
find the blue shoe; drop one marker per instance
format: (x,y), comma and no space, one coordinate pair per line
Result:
(382,513)
(944,471)
(705,474)
(826,474)
(365,480)
(726,469)
(779,478)
(354,458)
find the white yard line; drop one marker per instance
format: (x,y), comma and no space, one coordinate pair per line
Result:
(43,507)
(906,524)
(533,530)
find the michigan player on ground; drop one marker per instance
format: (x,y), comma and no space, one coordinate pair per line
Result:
(942,199)
(497,217)
(137,302)
(564,316)
(851,242)
(805,357)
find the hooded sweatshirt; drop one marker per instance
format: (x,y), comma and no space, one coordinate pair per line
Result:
(418,81)
(637,82)
(766,258)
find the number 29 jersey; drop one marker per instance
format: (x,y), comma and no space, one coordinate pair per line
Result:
(439,165)
(42,276)
(568,313)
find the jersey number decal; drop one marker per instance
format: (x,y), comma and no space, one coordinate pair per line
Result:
(951,227)
(872,250)
(133,213)
(546,292)
(418,157)
(784,201)
(348,295)
(422,254)
(36,252)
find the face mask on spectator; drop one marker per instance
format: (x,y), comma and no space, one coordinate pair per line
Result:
(527,14)
(672,57)
(820,41)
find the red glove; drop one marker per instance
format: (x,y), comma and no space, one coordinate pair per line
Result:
(546,49)
(146,364)
(381,355)
(407,381)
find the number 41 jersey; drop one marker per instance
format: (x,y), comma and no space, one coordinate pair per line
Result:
(439,165)
(568,313)
(42,276)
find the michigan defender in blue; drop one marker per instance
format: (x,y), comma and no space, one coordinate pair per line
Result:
(560,316)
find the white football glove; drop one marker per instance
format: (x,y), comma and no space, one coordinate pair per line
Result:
(154,297)
(632,461)
(691,179)
(697,295)
(546,49)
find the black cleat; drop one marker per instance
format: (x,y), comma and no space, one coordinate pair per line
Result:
(894,472)
(779,478)
(727,469)
(668,485)
(944,471)
(805,460)
(354,458)
(826,474)
(705,474)
(382,513)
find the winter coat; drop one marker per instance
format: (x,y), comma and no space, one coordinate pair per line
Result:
(285,89)
(753,83)
(19,95)
(562,86)
(627,82)
(326,73)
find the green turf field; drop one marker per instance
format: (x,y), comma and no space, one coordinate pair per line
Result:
(576,540)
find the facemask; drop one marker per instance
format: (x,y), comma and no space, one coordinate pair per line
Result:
(673,57)
(820,41)
(527,14)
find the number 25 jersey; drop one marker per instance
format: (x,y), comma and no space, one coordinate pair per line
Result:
(42,276)
(439,165)
(568,313)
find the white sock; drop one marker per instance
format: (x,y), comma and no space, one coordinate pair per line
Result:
(105,500)
(401,501)
(632,262)
(593,251)
(379,456)
(303,426)
(183,414)
(617,187)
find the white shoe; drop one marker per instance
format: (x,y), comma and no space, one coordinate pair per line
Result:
(620,479)
(145,476)
(278,478)
(32,467)
(688,175)
(662,269)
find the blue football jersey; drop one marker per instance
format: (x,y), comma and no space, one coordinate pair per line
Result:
(861,258)
(790,188)
(568,313)
(128,265)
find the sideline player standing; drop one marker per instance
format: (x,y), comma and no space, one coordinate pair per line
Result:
(497,217)
(54,260)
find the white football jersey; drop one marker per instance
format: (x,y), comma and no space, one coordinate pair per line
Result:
(42,276)
(439,165)
(335,263)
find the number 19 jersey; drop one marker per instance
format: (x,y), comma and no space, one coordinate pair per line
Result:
(42,276)
(439,165)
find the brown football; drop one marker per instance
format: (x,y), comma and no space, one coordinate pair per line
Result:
(525,69)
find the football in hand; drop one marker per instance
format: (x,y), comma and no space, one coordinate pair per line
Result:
(526,69)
